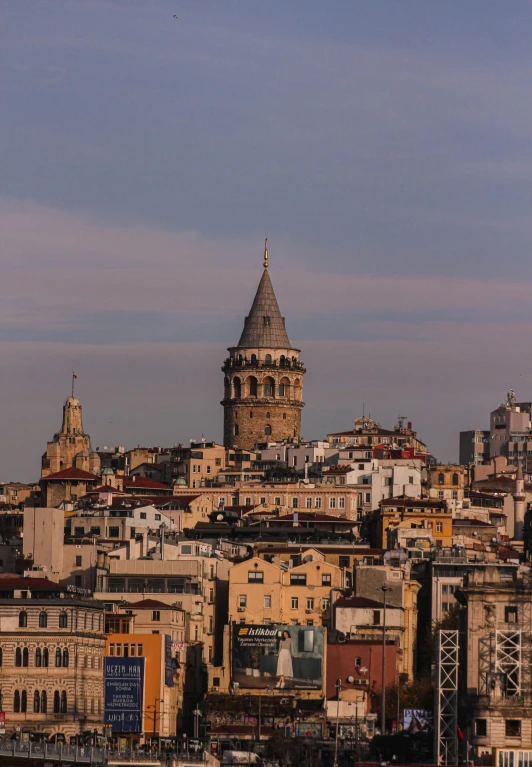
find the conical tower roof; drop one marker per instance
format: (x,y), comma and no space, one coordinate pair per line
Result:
(264,326)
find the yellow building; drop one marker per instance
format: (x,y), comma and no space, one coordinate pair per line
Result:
(447,482)
(434,516)
(262,592)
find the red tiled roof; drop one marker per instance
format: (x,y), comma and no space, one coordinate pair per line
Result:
(10,582)
(145,483)
(152,604)
(357,602)
(72,473)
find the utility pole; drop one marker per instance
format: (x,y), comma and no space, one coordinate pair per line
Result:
(384,590)
(338,686)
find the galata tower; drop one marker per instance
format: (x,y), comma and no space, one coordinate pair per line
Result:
(263,382)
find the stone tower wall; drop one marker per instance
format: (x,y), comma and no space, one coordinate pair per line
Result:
(273,413)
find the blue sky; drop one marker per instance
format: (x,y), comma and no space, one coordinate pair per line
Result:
(384,149)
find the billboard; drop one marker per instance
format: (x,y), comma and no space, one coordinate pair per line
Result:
(124,693)
(169,662)
(285,657)
(417,720)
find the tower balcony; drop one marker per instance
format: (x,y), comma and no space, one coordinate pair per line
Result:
(236,364)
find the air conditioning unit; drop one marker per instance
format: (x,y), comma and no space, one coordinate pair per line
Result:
(241,609)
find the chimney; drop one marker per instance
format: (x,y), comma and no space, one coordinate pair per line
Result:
(409,426)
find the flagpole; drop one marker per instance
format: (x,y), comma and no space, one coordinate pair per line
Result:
(73,379)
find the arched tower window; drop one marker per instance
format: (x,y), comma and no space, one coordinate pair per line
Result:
(237,430)
(284,387)
(237,387)
(455,479)
(252,386)
(268,387)
(268,430)
(297,389)
(268,359)
(441,478)
(23,619)
(253,359)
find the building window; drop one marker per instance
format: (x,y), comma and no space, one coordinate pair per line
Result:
(341,502)
(376,617)
(332,503)
(510,614)
(268,430)
(295,503)
(440,495)
(45,657)
(156,615)
(310,603)
(242,600)
(36,702)
(16,702)
(447,596)
(317,503)
(295,603)
(308,503)
(267,601)
(247,501)
(43,620)
(324,604)
(368,498)
(439,527)
(277,500)
(441,478)
(58,658)
(23,619)
(410,480)
(65,658)
(78,561)
(343,562)
(455,480)
(57,702)
(298,579)
(358,661)
(512,728)
(38,657)
(24,702)
(326,579)
(18,657)
(44,702)
(237,430)
(255,576)
(262,500)
(481,728)
(143,514)
(25,657)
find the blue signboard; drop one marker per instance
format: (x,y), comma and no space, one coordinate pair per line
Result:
(124,693)
(169,664)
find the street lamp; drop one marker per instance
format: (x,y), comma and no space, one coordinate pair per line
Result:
(338,686)
(154,706)
(384,590)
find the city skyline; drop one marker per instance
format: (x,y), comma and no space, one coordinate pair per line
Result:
(146,158)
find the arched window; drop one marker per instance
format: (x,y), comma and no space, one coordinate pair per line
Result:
(58,658)
(24,702)
(268,430)
(85,622)
(45,657)
(253,359)
(25,657)
(57,702)
(237,430)
(267,415)
(44,702)
(18,657)
(269,387)
(281,390)
(65,658)
(16,702)
(23,619)
(252,386)
(282,360)
(63,702)
(284,387)
(251,413)
(36,702)
(237,388)
(455,479)
(284,416)
(268,359)
(441,478)
(63,620)
(43,620)
(38,657)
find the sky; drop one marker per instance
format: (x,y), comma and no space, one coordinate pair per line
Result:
(385,150)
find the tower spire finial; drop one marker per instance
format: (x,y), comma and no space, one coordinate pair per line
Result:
(266,253)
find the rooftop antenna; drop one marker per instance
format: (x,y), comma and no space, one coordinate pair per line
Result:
(401,420)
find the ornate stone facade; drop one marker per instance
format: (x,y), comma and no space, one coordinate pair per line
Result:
(70,447)
(51,673)
(263,382)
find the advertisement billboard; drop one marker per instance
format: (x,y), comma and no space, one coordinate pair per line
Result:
(286,657)
(169,662)
(417,720)
(124,693)
(2,723)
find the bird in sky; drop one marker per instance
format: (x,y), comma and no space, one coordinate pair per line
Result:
(175,17)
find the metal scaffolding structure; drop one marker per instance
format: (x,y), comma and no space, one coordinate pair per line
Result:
(446,698)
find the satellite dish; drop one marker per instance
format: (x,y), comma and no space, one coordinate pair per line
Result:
(350,679)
